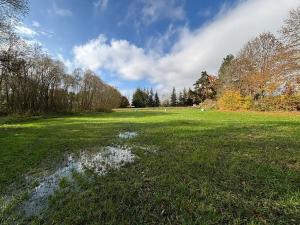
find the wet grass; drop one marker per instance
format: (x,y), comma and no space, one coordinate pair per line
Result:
(207,167)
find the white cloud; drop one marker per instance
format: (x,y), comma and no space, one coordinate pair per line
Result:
(59,11)
(31,33)
(36,24)
(47,33)
(195,50)
(101,4)
(117,55)
(68,63)
(25,31)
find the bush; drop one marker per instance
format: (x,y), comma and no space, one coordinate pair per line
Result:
(209,104)
(291,103)
(232,100)
(279,103)
(247,103)
(269,103)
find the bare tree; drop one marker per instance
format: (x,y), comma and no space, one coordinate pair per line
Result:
(291,38)
(261,66)
(291,29)
(31,81)
(10,13)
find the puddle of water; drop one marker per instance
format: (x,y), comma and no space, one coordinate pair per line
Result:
(101,162)
(148,148)
(110,158)
(127,135)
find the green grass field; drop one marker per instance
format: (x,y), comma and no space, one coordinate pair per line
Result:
(203,168)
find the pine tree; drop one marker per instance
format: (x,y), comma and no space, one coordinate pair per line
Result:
(173,97)
(181,101)
(124,102)
(139,98)
(150,99)
(156,100)
(146,93)
(185,97)
(189,100)
(204,88)
(226,73)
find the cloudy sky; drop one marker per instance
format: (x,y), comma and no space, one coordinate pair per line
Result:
(149,43)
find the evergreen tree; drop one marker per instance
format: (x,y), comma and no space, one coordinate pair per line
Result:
(226,72)
(139,98)
(150,99)
(204,88)
(185,97)
(190,96)
(146,94)
(156,100)
(124,102)
(173,97)
(181,100)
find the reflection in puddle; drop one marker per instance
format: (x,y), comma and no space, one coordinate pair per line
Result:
(101,162)
(127,135)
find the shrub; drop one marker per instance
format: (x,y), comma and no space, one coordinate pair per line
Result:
(279,103)
(266,104)
(247,103)
(291,103)
(230,100)
(209,104)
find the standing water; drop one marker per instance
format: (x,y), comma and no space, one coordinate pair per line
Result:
(101,162)
(127,135)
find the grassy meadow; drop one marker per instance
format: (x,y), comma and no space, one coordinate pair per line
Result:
(192,167)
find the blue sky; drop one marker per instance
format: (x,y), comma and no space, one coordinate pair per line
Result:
(143,43)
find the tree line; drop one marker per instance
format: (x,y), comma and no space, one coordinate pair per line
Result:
(204,88)
(265,74)
(145,98)
(31,81)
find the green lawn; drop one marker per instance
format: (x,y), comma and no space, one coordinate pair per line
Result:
(204,168)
